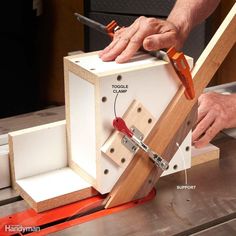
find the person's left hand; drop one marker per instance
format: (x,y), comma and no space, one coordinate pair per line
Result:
(215,112)
(149,33)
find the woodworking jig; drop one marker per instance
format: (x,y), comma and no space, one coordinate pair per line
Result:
(139,90)
(126,125)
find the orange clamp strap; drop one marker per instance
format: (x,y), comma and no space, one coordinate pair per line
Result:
(111,28)
(182,69)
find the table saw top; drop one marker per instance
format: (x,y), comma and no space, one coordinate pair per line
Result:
(211,206)
(209,209)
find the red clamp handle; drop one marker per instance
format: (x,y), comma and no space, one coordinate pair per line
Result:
(119,124)
(182,69)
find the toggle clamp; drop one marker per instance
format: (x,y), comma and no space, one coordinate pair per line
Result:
(120,125)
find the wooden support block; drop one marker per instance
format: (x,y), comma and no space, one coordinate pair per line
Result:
(168,126)
(205,154)
(40,171)
(4,167)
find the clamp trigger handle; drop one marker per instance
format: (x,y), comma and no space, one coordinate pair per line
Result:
(182,69)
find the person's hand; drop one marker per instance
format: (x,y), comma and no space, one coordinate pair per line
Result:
(215,112)
(151,33)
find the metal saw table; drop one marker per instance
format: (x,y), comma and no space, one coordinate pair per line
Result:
(209,209)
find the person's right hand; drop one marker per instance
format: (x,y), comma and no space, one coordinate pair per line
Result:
(215,112)
(151,33)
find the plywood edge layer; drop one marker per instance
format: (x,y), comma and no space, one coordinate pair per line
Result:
(25,196)
(70,66)
(11,161)
(205,154)
(66,199)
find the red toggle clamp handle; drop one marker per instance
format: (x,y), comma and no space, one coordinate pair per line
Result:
(119,124)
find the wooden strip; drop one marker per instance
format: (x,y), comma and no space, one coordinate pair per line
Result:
(205,154)
(136,115)
(165,130)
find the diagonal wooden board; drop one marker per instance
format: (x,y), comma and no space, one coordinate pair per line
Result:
(133,182)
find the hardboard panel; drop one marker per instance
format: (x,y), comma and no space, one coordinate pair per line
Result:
(138,7)
(95,40)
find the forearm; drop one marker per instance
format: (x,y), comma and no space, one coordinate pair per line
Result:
(188,13)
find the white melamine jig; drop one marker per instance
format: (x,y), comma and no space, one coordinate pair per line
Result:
(91,88)
(40,168)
